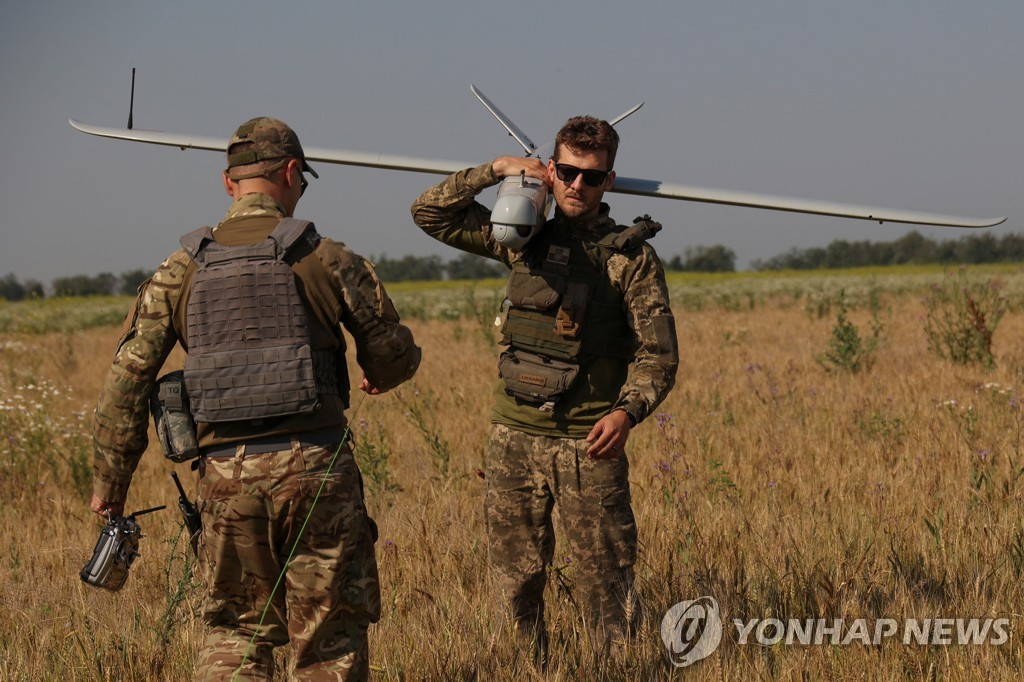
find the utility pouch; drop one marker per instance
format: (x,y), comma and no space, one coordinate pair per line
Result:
(534,290)
(175,426)
(535,379)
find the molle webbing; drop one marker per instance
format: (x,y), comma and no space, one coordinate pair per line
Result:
(562,305)
(535,332)
(248,335)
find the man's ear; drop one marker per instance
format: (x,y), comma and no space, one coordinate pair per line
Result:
(229,184)
(290,179)
(609,182)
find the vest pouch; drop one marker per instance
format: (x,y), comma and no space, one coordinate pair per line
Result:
(536,379)
(175,427)
(252,384)
(534,290)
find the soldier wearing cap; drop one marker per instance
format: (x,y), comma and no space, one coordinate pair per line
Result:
(276,472)
(590,351)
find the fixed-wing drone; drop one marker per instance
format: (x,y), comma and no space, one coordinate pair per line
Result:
(521,202)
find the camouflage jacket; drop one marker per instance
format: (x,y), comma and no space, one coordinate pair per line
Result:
(448,212)
(340,289)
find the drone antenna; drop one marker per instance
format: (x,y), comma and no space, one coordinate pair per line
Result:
(131,103)
(621,117)
(148,511)
(526,143)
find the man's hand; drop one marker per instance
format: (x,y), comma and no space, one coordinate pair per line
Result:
(107,510)
(608,437)
(506,166)
(369,388)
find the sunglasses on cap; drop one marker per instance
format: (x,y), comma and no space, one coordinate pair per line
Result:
(591,176)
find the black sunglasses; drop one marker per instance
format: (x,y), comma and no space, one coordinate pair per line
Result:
(591,176)
(303,184)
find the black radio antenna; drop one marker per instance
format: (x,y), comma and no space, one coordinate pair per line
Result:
(131,104)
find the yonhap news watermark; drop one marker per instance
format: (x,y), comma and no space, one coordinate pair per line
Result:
(692,630)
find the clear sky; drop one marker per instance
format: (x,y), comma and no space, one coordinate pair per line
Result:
(910,104)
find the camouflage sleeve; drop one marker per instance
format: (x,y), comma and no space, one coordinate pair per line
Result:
(448,213)
(385,348)
(652,373)
(122,413)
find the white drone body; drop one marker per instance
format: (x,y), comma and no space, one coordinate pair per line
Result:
(520,211)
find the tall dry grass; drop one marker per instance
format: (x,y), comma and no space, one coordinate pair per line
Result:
(778,488)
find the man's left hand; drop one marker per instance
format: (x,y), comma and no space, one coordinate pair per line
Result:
(608,437)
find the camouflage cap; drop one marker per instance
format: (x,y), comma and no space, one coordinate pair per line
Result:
(271,138)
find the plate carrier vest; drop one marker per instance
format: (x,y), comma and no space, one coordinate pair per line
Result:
(249,355)
(562,309)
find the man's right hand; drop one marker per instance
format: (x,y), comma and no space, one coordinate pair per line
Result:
(369,388)
(507,166)
(107,510)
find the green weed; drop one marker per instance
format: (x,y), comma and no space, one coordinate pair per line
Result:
(961,318)
(420,411)
(847,350)
(372,453)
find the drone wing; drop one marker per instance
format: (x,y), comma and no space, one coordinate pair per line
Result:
(624,185)
(340,156)
(655,188)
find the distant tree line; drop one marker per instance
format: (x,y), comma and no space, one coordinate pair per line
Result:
(12,289)
(103,284)
(911,248)
(715,258)
(409,268)
(466,266)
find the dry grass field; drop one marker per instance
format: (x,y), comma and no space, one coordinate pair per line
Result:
(779,488)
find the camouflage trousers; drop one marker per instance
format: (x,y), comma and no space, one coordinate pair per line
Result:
(253,509)
(527,476)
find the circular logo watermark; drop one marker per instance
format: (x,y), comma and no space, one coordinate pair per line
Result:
(691,630)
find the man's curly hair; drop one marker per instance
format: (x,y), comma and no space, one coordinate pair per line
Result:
(588,134)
